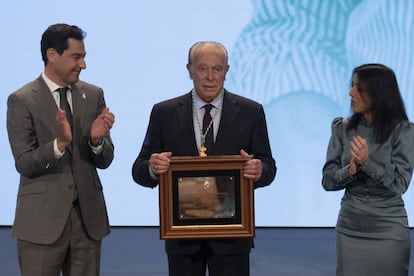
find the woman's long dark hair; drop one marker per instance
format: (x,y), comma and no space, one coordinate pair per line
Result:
(387,105)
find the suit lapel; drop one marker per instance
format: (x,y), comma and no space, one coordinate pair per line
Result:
(230,111)
(46,101)
(44,98)
(185,121)
(79,101)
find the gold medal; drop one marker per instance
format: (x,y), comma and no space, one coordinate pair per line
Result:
(203,150)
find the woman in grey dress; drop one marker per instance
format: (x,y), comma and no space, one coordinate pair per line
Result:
(371,156)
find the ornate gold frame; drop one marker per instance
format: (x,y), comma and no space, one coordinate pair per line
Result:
(190,210)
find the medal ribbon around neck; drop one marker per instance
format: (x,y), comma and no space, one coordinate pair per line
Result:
(203,149)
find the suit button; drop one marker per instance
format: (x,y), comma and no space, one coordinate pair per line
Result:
(71,187)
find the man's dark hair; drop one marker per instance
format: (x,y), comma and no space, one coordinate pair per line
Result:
(56,37)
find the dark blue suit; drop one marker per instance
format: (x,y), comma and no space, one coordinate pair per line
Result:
(242,126)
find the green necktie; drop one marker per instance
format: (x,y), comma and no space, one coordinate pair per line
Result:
(64,104)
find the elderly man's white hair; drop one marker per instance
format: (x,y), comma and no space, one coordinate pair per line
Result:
(205,43)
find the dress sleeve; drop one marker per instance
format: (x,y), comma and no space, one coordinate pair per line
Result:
(335,174)
(395,175)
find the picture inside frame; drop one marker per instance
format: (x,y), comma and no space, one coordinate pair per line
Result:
(206,197)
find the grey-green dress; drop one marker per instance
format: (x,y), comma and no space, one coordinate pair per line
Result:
(373,235)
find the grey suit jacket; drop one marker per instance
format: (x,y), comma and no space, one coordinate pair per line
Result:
(242,126)
(47,184)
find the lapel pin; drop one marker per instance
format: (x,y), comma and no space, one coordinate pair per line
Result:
(83,96)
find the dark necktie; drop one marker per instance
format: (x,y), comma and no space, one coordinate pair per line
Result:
(64,104)
(208,126)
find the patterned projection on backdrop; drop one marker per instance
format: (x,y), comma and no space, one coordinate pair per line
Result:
(296,58)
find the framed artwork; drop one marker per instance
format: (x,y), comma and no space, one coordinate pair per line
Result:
(206,197)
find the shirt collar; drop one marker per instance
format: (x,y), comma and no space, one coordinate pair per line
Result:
(50,84)
(200,103)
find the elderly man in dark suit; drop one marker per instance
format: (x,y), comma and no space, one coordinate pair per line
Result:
(237,126)
(58,130)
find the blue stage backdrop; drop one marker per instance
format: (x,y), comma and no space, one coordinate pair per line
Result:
(295,57)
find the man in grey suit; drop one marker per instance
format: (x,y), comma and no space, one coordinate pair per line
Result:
(237,125)
(58,139)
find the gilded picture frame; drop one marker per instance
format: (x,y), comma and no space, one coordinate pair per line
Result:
(206,197)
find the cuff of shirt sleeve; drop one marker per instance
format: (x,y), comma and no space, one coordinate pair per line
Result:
(98,149)
(56,150)
(153,176)
(344,177)
(373,168)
